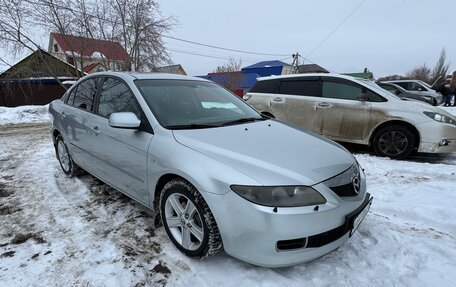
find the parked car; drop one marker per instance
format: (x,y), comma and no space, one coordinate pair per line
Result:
(355,110)
(420,88)
(403,93)
(217,173)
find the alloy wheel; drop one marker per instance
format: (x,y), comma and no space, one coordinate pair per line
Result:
(393,143)
(64,157)
(184,221)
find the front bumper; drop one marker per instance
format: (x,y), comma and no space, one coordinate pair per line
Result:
(251,232)
(437,137)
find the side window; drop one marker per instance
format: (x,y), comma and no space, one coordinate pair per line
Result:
(70,99)
(404,85)
(85,94)
(417,87)
(115,96)
(308,88)
(267,86)
(340,91)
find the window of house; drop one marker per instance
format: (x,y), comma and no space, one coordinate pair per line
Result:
(115,96)
(308,88)
(85,94)
(56,48)
(70,60)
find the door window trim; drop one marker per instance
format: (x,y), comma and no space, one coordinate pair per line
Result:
(145,124)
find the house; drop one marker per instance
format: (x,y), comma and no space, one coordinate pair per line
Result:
(311,68)
(32,81)
(237,82)
(87,54)
(173,69)
(269,68)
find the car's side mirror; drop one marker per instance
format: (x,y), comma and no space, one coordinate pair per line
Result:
(397,92)
(125,120)
(363,97)
(420,89)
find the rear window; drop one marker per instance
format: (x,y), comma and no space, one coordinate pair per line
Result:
(268,86)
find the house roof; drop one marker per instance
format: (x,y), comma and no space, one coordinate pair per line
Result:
(37,71)
(266,64)
(173,69)
(311,68)
(88,47)
(91,66)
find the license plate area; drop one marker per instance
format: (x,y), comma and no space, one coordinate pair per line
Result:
(357,219)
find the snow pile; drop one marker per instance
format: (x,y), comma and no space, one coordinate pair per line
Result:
(24,115)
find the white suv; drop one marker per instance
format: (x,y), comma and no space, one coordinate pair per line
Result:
(348,109)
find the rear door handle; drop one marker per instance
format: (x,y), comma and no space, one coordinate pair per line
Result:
(323,105)
(277,99)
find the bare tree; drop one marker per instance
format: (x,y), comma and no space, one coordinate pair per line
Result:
(231,66)
(136,24)
(440,70)
(422,73)
(391,78)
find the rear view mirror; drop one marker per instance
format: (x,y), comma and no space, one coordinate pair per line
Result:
(397,92)
(363,97)
(125,120)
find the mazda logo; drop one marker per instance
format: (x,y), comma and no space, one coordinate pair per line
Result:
(356,184)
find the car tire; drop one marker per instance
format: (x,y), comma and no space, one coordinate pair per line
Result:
(188,221)
(394,141)
(65,160)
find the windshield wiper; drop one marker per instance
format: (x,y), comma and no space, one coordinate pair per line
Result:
(190,127)
(243,120)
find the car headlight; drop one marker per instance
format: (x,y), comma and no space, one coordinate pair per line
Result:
(440,118)
(280,196)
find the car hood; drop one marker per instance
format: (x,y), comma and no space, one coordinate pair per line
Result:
(270,152)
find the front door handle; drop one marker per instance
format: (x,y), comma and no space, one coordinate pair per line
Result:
(95,130)
(277,99)
(323,105)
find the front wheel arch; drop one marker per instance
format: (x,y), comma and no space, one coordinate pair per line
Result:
(411,127)
(396,141)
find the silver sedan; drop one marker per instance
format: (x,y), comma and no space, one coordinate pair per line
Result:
(217,174)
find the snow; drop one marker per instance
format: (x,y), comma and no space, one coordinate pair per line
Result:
(60,231)
(24,115)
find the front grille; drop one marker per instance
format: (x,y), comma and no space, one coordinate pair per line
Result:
(344,190)
(343,183)
(313,241)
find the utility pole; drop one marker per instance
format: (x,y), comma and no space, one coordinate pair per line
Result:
(295,62)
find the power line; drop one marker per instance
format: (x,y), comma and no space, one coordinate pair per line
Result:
(204,55)
(221,48)
(337,28)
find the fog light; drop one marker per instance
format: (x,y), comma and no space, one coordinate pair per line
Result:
(444,142)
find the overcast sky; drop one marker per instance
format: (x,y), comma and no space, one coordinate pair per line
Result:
(386,36)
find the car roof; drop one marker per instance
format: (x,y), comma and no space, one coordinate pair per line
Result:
(326,75)
(149,76)
(402,81)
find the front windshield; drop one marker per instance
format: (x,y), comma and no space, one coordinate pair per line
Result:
(194,104)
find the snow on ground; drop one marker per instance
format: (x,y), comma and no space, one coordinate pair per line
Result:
(24,114)
(60,231)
